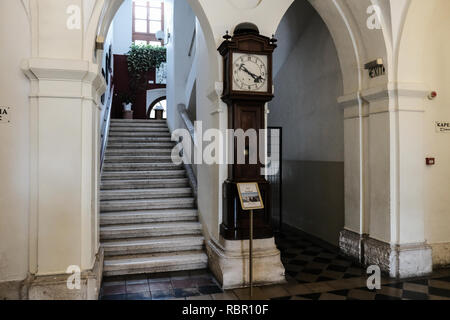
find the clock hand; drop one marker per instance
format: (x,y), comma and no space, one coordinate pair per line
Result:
(243,68)
(257,79)
(254,76)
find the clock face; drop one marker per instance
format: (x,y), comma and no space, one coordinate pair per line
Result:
(250,72)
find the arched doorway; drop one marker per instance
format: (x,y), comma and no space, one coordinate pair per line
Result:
(308,82)
(161,103)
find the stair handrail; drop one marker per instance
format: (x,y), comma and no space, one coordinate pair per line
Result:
(182,110)
(105,127)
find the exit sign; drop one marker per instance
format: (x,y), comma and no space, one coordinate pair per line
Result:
(4,114)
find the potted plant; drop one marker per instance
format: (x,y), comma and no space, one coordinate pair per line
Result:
(127,103)
(141,59)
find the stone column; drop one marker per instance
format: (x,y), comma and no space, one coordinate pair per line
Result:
(356,125)
(397,161)
(64,170)
(392,235)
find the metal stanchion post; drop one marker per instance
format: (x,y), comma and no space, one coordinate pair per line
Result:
(251,255)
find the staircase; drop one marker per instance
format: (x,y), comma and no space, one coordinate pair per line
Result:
(148,220)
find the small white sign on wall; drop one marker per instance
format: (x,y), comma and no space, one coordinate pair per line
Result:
(4,114)
(443,126)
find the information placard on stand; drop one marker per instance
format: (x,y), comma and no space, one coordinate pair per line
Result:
(251,199)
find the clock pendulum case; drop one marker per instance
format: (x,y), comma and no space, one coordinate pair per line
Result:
(247,72)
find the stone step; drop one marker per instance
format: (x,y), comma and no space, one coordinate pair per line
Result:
(153,245)
(144,230)
(156,137)
(155,263)
(108,167)
(144,184)
(154,134)
(139,194)
(148,216)
(135,205)
(129,175)
(138,159)
(138,121)
(148,220)
(136,129)
(139,152)
(139,143)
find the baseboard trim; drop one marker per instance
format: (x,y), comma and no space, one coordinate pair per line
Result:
(441,255)
(398,261)
(352,244)
(54,287)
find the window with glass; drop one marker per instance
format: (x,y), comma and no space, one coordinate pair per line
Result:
(148,18)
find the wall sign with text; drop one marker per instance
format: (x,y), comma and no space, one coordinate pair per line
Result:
(250,196)
(4,114)
(443,126)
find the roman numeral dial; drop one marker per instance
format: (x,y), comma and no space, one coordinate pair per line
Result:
(250,72)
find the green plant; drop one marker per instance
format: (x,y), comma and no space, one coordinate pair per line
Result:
(141,59)
(126,98)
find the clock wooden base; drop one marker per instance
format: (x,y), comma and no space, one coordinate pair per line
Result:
(236,222)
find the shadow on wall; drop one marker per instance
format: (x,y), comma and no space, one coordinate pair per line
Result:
(307,85)
(313,197)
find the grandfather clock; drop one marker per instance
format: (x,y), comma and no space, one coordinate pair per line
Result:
(247,63)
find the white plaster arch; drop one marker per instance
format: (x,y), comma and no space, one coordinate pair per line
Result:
(355,43)
(346,21)
(105,11)
(153,95)
(420,19)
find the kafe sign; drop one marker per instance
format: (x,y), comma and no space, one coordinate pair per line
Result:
(443,126)
(4,114)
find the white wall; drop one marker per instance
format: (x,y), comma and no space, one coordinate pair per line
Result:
(183,74)
(14,142)
(123,28)
(307,85)
(424,58)
(180,21)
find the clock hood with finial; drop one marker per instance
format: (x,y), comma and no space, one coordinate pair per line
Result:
(245,28)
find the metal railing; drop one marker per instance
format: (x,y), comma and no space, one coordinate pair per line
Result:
(105,127)
(190,170)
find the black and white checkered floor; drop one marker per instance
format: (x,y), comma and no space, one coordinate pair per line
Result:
(422,289)
(306,261)
(330,275)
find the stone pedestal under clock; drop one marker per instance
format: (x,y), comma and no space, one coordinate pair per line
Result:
(247,88)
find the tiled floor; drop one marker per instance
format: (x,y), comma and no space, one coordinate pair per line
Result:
(308,261)
(314,271)
(162,286)
(420,289)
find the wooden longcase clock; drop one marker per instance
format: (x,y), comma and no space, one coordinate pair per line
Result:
(247,62)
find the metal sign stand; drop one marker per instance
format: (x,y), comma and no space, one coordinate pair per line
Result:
(251,255)
(251,201)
